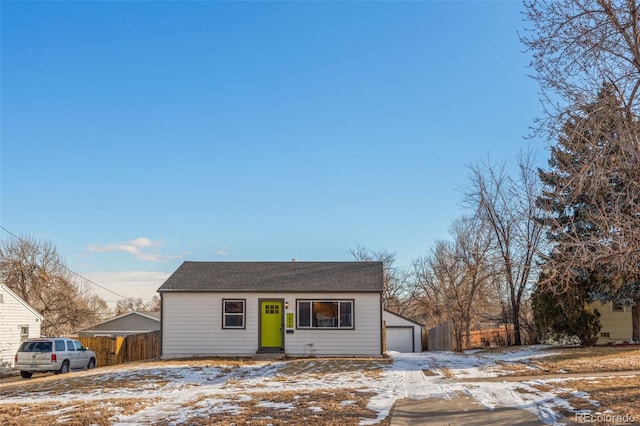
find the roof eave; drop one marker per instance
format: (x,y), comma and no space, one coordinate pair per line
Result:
(191,290)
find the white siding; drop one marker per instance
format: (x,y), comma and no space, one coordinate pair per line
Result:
(14,314)
(192,326)
(364,340)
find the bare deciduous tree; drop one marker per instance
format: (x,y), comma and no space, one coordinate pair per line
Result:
(35,271)
(429,300)
(508,208)
(394,294)
(577,45)
(137,305)
(580,47)
(450,280)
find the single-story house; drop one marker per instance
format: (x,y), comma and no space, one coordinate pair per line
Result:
(616,321)
(18,322)
(124,325)
(403,334)
(288,308)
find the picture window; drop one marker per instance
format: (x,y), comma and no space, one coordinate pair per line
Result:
(325,314)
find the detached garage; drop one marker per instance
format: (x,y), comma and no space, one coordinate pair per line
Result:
(402,334)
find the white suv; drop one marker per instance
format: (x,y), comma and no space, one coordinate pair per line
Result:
(52,354)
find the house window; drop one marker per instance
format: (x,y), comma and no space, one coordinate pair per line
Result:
(1,298)
(233,312)
(325,313)
(605,335)
(617,307)
(24,333)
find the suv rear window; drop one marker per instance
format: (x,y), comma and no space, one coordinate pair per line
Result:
(59,345)
(36,347)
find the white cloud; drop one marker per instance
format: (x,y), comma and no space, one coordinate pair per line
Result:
(222,251)
(135,247)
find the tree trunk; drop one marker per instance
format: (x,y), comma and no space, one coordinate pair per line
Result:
(516,324)
(457,333)
(467,334)
(635,320)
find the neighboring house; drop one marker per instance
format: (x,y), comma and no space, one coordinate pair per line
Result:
(18,322)
(288,308)
(124,325)
(616,322)
(403,334)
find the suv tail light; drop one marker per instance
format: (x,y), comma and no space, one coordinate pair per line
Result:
(54,358)
(15,358)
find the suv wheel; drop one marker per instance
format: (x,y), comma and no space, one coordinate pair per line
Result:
(64,368)
(26,374)
(92,364)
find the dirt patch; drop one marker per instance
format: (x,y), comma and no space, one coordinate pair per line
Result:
(446,373)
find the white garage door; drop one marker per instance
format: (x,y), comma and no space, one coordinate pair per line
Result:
(400,339)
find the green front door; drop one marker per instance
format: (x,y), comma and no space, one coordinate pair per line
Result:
(271,324)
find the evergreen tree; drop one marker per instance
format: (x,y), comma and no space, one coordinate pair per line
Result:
(565,315)
(590,195)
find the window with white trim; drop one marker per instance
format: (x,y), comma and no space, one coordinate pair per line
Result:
(325,313)
(619,307)
(24,333)
(233,313)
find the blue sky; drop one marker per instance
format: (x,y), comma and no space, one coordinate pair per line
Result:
(137,135)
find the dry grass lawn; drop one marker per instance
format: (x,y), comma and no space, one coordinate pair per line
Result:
(592,360)
(619,396)
(328,408)
(72,414)
(314,407)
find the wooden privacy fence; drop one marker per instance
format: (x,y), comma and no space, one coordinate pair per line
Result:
(441,337)
(491,337)
(118,350)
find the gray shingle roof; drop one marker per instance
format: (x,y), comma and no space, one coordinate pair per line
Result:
(276,277)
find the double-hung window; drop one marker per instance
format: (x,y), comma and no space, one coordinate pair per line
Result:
(233,313)
(325,313)
(24,333)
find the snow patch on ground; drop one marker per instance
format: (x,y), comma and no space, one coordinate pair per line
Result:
(184,391)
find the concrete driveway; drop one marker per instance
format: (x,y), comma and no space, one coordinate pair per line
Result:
(457,408)
(462,410)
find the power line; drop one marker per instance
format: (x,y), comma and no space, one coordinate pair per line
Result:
(69,269)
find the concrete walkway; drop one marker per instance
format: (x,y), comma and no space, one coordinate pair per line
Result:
(462,410)
(456,408)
